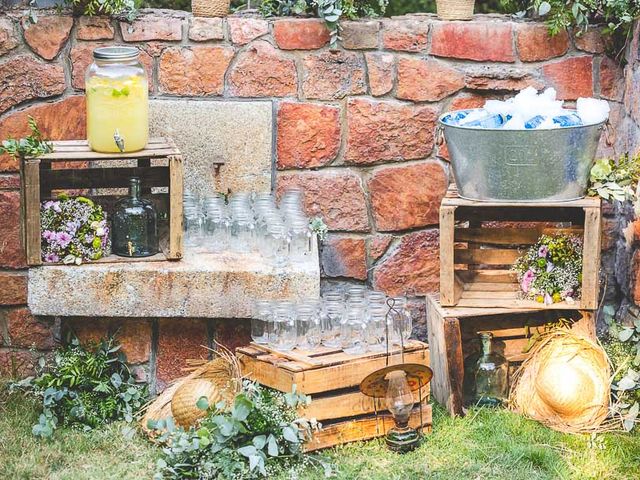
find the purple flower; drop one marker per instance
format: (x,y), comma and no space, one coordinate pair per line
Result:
(49,236)
(72,227)
(543,251)
(54,205)
(89,238)
(63,239)
(51,258)
(527,280)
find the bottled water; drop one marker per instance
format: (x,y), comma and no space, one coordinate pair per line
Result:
(569,120)
(534,122)
(489,121)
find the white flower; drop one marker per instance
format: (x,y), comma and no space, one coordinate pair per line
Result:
(100,231)
(95,225)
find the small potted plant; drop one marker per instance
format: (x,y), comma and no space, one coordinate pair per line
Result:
(455,9)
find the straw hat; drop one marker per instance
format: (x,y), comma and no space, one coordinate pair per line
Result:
(564,384)
(220,379)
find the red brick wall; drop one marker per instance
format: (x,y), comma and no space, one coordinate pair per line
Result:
(355,126)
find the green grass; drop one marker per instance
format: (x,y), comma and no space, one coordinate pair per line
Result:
(487,444)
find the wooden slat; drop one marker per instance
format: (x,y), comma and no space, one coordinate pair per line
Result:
(492,287)
(176,190)
(364,429)
(479,300)
(31,208)
(317,380)
(453,199)
(326,357)
(69,150)
(447,275)
(591,258)
(487,276)
(103,177)
(445,353)
(488,256)
(463,312)
(347,405)
(510,236)
(521,214)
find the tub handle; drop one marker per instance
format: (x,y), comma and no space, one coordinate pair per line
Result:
(439,135)
(609,134)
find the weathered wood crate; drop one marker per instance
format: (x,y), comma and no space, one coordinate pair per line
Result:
(452,333)
(158,165)
(332,378)
(480,241)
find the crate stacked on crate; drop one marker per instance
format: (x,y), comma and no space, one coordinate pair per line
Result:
(159,167)
(479,242)
(331,377)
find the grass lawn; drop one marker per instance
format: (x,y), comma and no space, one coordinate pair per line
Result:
(487,444)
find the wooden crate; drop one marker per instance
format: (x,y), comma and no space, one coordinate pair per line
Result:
(453,337)
(332,378)
(41,177)
(480,241)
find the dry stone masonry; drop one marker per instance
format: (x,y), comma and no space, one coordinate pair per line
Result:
(354,126)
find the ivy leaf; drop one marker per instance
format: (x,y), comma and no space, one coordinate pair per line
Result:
(202,403)
(544,8)
(272,446)
(626,334)
(290,435)
(247,451)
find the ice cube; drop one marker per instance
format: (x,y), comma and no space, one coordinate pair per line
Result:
(549,94)
(514,123)
(592,110)
(498,106)
(473,115)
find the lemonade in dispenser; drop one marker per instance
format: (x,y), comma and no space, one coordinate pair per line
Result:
(117,100)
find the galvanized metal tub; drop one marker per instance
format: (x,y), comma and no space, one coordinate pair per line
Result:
(522,165)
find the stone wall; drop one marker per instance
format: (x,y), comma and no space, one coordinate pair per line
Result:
(354,126)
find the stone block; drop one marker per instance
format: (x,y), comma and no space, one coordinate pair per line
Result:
(8,36)
(591,41)
(300,34)
(24,78)
(237,132)
(479,41)
(26,331)
(572,77)
(360,35)
(413,266)
(336,196)
(152,27)
(308,135)
(378,245)
(94,28)
(263,71)
(11,251)
(344,257)
(178,341)
(332,75)
(405,35)
(201,285)
(13,288)
(388,131)
(232,333)
(198,70)
(203,29)
(426,80)
(381,68)
(243,30)
(48,35)
(535,43)
(407,196)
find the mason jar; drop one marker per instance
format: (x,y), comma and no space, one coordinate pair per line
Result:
(117,93)
(300,237)
(285,334)
(262,321)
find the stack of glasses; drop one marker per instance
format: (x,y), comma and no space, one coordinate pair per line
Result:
(356,322)
(249,223)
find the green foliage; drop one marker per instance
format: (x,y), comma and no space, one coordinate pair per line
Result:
(615,180)
(331,11)
(623,348)
(259,437)
(125,8)
(617,15)
(84,387)
(320,228)
(32,146)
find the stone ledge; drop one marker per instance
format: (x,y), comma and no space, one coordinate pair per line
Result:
(202,285)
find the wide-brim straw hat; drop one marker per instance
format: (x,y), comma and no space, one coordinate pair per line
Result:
(218,380)
(565,383)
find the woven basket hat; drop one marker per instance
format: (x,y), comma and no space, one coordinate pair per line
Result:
(564,384)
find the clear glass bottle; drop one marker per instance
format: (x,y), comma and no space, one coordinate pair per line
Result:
(242,231)
(300,238)
(402,321)
(278,244)
(135,225)
(375,327)
(331,321)
(216,227)
(353,326)
(117,94)
(491,374)
(192,226)
(307,326)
